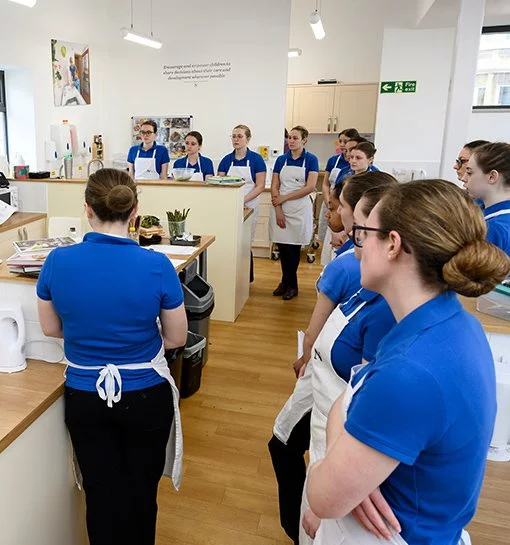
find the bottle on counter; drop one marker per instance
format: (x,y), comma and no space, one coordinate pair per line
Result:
(133,234)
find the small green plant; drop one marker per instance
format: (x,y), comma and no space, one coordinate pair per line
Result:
(177,215)
(149,221)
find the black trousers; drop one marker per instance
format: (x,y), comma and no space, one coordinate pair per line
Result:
(289,261)
(251,267)
(121,453)
(290,469)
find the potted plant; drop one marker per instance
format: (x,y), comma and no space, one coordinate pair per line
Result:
(177,222)
(150,231)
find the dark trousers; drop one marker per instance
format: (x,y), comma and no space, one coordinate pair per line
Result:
(290,469)
(251,267)
(121,453)
(289,261)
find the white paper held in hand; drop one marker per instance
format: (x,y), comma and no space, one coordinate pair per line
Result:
(300,341)
(172,249)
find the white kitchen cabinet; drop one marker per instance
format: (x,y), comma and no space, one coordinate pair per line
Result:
(261,246)
(313,107)
(355,106)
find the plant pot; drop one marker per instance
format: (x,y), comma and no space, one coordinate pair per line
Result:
(176,228)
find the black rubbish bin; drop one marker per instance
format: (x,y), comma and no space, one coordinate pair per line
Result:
(175,368)
(192,363)
(199,303)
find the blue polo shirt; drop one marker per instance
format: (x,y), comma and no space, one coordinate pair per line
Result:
(337,161)
(340,278)
(309,160)
(108,292)
(429,401)
(162,157)
(204,165)
(348,172)
(498,227)
(257,164)
(362,335)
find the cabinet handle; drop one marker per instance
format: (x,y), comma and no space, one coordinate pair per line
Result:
(329,124)
(25,233)
(334,127)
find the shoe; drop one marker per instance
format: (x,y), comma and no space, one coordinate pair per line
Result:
(280,290)
(290,293)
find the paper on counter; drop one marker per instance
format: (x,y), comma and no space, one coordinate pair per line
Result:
(172,249)
(6,211)
(177,262)
(300,342)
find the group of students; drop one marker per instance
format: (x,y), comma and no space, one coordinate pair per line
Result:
(395,393)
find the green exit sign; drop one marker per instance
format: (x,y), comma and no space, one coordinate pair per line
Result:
(398,87)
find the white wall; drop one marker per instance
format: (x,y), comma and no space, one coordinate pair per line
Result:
(409,127)
(127,80)
(493,126)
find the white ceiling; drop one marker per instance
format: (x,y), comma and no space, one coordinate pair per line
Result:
(443,13)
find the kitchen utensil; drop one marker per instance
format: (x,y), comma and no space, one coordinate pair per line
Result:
(12,338)
(183,174)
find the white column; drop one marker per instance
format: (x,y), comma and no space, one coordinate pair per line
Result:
(460,101)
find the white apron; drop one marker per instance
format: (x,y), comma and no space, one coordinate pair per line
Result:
(347,530)
(327,252)
(110,379)
(249,186)
(145,167)
(298,212)
(197,176)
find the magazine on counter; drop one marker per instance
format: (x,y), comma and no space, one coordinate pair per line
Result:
(42,244)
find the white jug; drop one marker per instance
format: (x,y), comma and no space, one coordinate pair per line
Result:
(12,338)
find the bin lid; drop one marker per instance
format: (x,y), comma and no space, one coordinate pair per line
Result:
(194,343)
(195,303)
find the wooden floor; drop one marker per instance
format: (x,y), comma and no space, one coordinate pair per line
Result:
(228,493)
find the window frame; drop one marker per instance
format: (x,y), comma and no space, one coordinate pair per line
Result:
(501,29)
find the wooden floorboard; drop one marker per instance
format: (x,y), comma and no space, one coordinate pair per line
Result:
(228,494)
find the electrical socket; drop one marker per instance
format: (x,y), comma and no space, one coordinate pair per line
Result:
(275,153)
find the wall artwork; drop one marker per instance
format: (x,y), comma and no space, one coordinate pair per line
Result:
(71,73)
(172,131)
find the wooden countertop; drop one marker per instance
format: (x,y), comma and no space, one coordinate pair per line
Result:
(24,396)
(18,219)
(491,324)
(166,183)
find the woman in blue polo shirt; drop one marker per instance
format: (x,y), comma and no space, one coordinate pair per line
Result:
(361,158)
(487,177)
(104,297)
(417,420)
(203,166)
(148,161)
(291,218)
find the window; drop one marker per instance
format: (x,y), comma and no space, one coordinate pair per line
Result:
(492,84)
(4,148)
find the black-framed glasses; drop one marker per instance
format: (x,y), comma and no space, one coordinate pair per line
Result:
(146,133)
(359,233)
(460,161)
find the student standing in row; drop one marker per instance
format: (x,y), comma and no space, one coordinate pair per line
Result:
(249,166)
(487,177)
(203,166)
(148,161)
(464,155)
(291,218)
(361,158)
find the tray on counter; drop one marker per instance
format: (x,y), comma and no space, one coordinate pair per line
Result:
(179,242)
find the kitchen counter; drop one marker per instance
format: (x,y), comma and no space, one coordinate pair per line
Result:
(490,324)
(19,219)
(138,182)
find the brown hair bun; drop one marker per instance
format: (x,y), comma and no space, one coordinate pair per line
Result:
(120,199)
(476,268)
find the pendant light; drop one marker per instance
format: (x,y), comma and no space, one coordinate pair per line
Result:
(294,52)
(138,38)
(316,22)
(27,3)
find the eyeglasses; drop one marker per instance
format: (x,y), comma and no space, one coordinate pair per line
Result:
(237,136)
(460,161)
(359,233)
(146,133)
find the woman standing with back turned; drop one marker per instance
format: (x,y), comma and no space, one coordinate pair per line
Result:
(104,297)
(291,218)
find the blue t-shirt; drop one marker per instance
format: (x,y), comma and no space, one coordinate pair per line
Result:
(255,160)
(309,160)
(429,401)
(347,172)
(161,156)
(361,336)
(337,161)
(204,165)
(340,278)
(108,292)
(498,227)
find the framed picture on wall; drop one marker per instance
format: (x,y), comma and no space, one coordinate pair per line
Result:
(172,130)
(71,73)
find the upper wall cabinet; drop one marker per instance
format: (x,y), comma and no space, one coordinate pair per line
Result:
(331,108)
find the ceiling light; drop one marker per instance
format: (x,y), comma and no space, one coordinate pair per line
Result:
(27,3)
(316,24)
(142,39)
(295,52)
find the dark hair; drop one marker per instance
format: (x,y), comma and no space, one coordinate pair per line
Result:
(350,133)
(445,230)
(358,139)
(367,148)
(111,193)
(475,144)
(196,135)
(495,156)
(150,122)
(286,133)
(302,130)
(355,186)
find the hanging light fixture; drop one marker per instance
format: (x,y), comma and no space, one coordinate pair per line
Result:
(316,22)
(295,52)
(27,3)
(138,38)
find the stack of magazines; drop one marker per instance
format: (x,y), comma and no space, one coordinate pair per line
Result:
(31,254)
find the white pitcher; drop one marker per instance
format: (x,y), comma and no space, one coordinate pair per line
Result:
(12,338)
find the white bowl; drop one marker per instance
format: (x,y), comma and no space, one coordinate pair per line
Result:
(182,174)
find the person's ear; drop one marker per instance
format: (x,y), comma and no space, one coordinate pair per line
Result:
(88,211)
(493,177)
(395,245)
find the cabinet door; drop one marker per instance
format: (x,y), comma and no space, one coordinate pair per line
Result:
(355,106)
(313,107)
(289,109)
